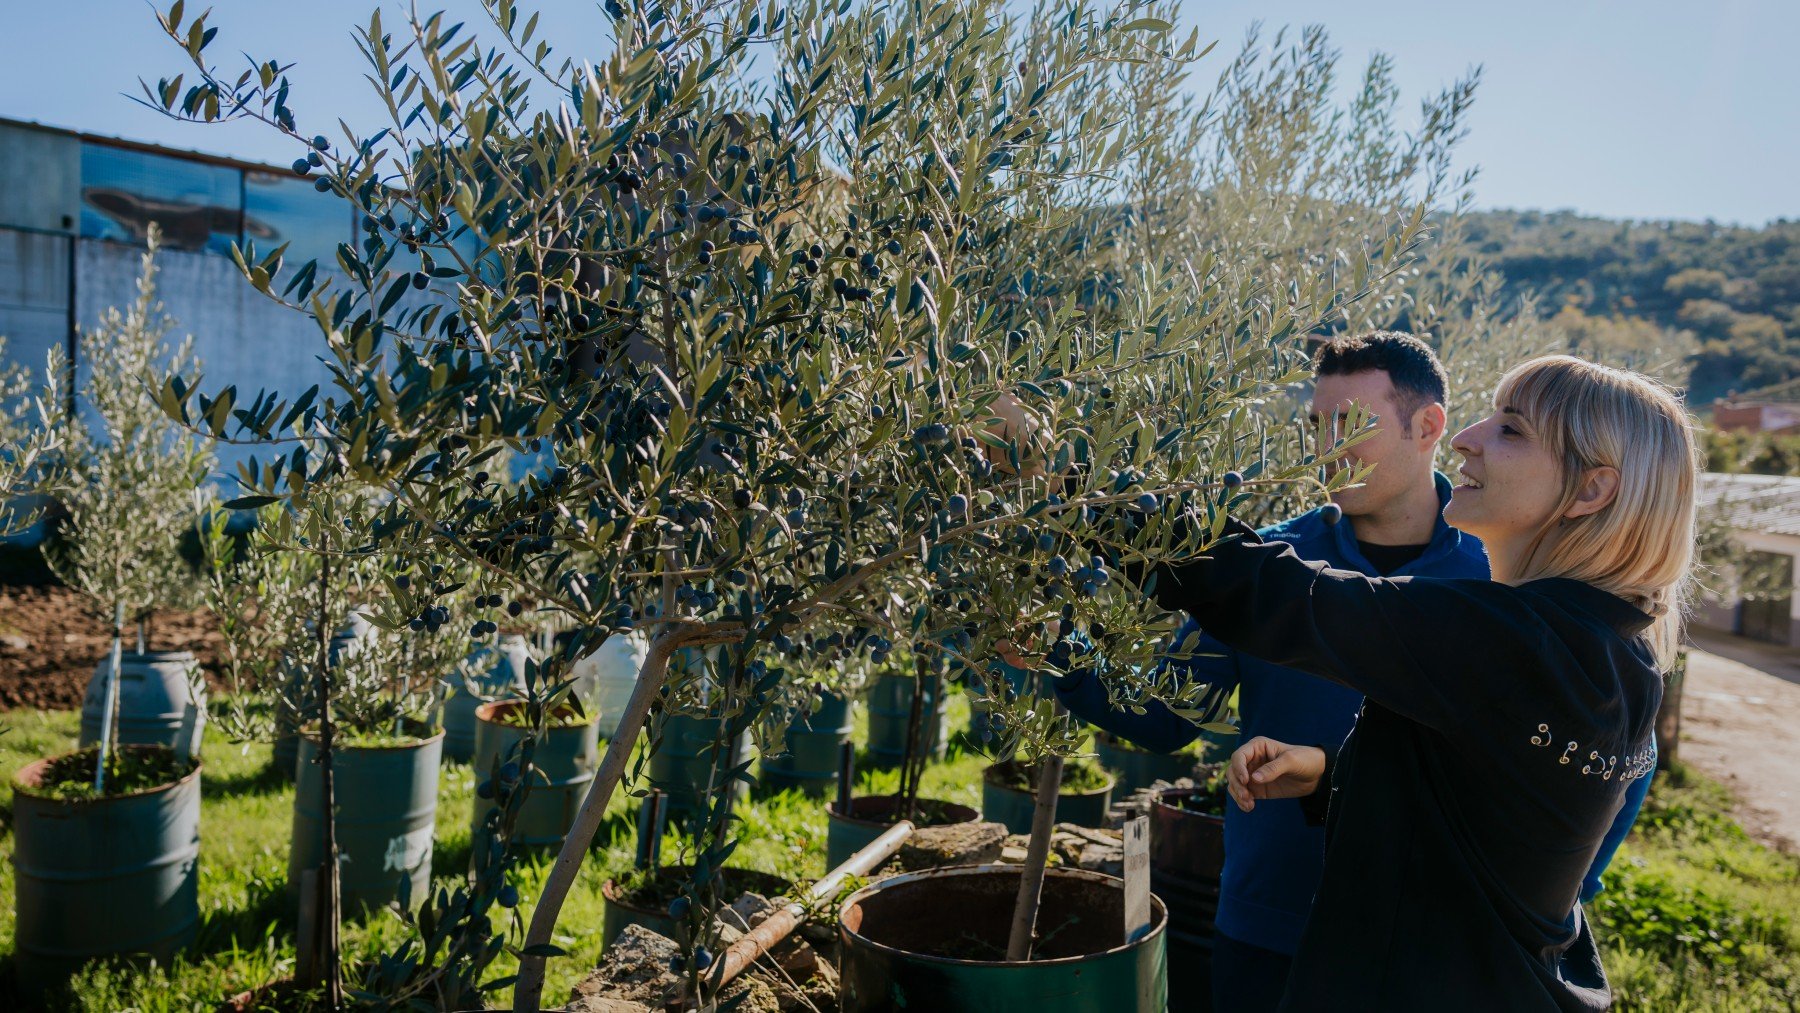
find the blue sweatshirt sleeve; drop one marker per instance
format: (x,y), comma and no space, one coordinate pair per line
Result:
(1622,824)
(1158,729)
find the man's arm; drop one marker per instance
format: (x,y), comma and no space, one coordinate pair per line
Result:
(1159,729)
(1622,824)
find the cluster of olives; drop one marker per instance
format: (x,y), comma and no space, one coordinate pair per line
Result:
(430,620)
(313,159)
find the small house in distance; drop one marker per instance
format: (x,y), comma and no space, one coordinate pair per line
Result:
(1761,513)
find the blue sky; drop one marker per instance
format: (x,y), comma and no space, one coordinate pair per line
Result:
(1646,109)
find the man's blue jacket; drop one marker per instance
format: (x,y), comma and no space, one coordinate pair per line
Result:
(1273,860)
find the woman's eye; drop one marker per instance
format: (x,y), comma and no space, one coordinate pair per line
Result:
(1506,430)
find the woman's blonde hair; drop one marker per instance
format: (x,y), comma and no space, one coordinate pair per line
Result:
(1641,545)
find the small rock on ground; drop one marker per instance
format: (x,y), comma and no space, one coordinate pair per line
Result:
(960,844)
(634,977)
(1076,848)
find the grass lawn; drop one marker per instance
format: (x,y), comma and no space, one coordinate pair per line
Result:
(246,936)
(1696,915)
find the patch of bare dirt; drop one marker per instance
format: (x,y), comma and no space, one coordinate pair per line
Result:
(50,642)
(1740,723)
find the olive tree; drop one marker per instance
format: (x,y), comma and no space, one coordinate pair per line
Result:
(752,286)
(132,482)
(27,434)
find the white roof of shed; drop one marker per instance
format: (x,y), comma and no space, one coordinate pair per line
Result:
(1766,503)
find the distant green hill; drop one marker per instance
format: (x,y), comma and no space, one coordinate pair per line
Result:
(1737,290)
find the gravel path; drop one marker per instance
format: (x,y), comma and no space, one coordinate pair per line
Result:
(1740,723)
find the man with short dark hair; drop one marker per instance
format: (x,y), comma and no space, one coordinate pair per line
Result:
(1391,527)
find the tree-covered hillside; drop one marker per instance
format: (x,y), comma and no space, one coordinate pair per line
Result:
(1736,290)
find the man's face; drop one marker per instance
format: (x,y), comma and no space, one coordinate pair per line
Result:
(1397,458)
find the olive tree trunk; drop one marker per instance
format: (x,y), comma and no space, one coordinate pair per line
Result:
(1037,858)
(651,675)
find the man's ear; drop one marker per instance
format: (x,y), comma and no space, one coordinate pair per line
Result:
(1429,423)
(1598,489)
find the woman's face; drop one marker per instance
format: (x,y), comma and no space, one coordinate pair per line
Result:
(1510,485)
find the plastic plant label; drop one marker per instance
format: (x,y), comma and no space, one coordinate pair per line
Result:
(1137,878)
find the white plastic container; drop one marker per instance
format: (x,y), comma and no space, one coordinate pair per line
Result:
(604,679)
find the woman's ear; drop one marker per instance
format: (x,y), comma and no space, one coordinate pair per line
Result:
(1597,491)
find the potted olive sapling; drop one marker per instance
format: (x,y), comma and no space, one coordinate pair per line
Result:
(133,484)
(130,481)
(761,386)
(27,435)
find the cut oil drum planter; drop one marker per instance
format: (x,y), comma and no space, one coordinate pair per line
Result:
(495,673)
(386,805)
(649,905)
(690,757)
(810,761)
(103,877)
(1137,769)
(1187,850)
(871,815)
(936,940)
(890,714)
(565,760)
(1002,802)
(162,701)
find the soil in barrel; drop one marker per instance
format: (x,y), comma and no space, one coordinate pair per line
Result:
(1077,918)
(884,809)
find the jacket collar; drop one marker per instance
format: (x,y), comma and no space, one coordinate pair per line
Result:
(1445,540)
(1623,617)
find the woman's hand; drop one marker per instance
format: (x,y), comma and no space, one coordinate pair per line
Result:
(1016,425)
(1264,768)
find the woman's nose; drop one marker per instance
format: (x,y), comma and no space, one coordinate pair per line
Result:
(1464,442)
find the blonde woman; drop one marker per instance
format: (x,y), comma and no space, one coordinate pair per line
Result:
(1505,718)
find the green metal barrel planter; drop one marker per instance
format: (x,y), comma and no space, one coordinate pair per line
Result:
(386,804)
(813,742)
(871,815)
(162,701)
(1003,803)
(686,761)
(1137,769)
(649,906)
(890,712)
(566,759)
(499,673)
(1187,851)
(936,940)
(298,679)
(103,877)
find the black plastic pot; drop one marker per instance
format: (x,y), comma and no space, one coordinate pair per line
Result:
(936,940)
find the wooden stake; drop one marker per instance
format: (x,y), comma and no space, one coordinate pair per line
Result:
(109,702)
